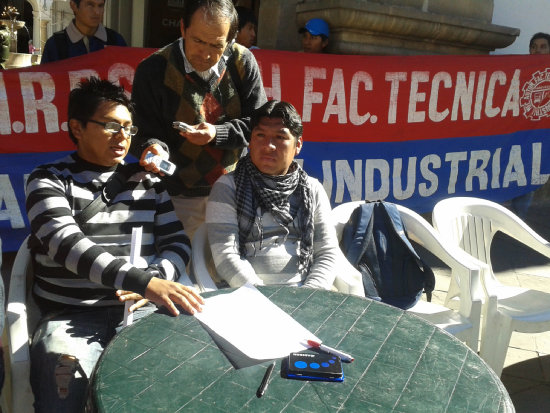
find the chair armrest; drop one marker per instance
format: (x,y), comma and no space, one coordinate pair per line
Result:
(348,279)
(515,227)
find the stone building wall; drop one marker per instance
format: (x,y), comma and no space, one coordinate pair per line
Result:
(388,27)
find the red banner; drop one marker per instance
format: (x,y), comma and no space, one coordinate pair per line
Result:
(406,129)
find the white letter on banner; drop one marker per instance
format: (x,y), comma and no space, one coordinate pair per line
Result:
(273,92)
(495,183)
(5,121)
(478,171)
(77,75)
(536,177)
(327,177)
(512,98)
(384,168)
(454,158)
(398,191)
(499,76)
(514,170)
(463,95)
(121,71)
(394,78)
(336,104)
(345,177)
(366,79)
(434,114)
(8,198)
(31,105)
(479,94)
(311,97)
(416,96)
(431,177)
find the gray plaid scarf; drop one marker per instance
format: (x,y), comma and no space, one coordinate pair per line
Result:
(272,193)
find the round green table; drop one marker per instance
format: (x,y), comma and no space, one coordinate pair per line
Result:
(402,364)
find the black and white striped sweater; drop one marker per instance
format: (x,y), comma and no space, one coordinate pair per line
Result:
(84,266)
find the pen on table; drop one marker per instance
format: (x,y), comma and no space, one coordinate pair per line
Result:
(265,381)
(343,356)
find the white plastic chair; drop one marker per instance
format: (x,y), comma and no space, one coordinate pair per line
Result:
(204,271)
(18,370)
(471,224)
(464,323)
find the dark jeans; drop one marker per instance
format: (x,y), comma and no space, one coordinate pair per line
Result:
(64,351)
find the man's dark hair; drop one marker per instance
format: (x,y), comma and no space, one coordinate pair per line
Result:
(223,9)
(539,35)
(85,99)
(282,110)
(77,2)
(246,15)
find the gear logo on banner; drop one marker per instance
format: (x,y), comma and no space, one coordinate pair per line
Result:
(536,96)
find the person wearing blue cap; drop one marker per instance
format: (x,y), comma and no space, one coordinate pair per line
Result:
(315,36)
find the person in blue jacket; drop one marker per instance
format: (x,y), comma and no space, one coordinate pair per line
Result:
(83,35)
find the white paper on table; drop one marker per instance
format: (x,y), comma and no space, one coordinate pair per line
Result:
(253,324)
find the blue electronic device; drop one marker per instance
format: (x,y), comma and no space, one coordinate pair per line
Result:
(315,366)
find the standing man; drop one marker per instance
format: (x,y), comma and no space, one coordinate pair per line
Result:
(206,80)
(540,44)
(83,35)
(82,274)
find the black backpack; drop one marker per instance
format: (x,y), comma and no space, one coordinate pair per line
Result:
(375,242)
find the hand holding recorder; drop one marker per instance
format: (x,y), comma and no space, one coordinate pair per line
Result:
(154,157)
(163,165)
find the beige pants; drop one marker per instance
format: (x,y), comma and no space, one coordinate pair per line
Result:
(191,212)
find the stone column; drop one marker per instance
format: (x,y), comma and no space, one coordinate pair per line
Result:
(387,27)
(408,27)
(277,25)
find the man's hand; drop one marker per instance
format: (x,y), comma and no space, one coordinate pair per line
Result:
(170,293)
(124,295)
(201,134)
(149,166)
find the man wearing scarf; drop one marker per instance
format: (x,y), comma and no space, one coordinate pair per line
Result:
(269,222)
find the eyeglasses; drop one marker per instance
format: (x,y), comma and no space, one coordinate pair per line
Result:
(114,127)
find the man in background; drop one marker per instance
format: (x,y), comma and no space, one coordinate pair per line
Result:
(315,36)
(540,43)
(209,82)
(246,35)
(83,35)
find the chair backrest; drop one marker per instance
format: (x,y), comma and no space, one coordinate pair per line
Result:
(18,332)
(202,264)
(471,223)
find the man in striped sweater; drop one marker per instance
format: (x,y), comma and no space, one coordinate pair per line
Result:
(269,222)
(82,274)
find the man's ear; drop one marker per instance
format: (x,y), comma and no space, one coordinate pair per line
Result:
(324,43)
(76,127)
(73,6)
(299,144)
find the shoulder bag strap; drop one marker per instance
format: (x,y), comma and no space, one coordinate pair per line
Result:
(111,188)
